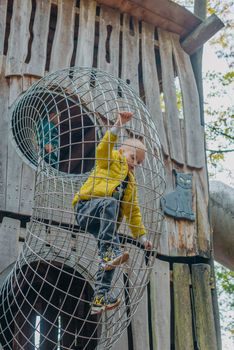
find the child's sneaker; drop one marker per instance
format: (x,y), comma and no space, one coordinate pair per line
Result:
(101,303)
(113,258)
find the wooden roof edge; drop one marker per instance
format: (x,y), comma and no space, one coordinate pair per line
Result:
(164,14)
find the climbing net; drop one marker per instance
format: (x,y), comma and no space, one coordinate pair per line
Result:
(56,126)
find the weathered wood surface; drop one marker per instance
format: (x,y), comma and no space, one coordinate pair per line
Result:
(19,36)
(200,10)
(4,127)
(3,13)
(151,85)
(140,322)
(130,53)
(85,47)
(14,164)
(161,13)
(36,65)
(63,43)
(202,34)
(28,173)
(194,133)
(108,47)
(202,234)
(27,190)
(182,308)
(137,278)
(122,343)
(160,303)
(9,238)
(169,93)
(179,237)
(222,222)
(205,326)
(169,243)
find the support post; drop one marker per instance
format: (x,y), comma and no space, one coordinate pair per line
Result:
(200,8)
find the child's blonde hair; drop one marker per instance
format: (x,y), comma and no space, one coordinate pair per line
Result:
(134,143)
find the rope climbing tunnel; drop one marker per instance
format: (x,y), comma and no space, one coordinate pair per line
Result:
(57,127)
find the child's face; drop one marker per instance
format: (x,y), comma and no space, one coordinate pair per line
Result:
(133,156)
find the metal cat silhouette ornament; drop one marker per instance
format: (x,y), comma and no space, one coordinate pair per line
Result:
(178,203)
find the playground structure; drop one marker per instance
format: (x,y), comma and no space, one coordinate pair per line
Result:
(144,49)
(57,251)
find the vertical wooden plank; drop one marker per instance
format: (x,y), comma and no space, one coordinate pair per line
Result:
(28,173)
(122,343)
(85,47)
(203,230)
(194,132)
(64,35)
(37,63)
(3,13)
(181,235)
(27,190)
(182,308)
(27,81)
(108,57)
(163,246)
(160,305)
(130,52)
(169,241)
(19,36)
(151,86)
(9,238)
(4,126)
(137,297)
(140,327)
(108,47)
(14,164)
(169,91)
(205,326)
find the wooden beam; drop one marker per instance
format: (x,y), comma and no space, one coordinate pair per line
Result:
(202,34)
(200,10)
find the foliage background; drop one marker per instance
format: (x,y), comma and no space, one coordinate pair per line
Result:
(218,83)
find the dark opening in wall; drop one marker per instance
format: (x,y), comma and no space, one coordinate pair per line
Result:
(52,27)
(140,74)
(32,17)
(49,308)
(131,26)
(8,25)
(108,31)
(57,130)
(76,34)
(96,39)
(120,47)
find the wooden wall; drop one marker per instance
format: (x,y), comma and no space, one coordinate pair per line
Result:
(41,36)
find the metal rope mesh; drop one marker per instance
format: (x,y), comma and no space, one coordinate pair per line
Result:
(45,301)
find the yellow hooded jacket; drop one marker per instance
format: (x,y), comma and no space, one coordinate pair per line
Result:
(110,170)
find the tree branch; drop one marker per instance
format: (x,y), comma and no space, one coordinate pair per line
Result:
(220,150)
(217,131)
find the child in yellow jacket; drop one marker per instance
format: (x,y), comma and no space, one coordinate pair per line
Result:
(107,195)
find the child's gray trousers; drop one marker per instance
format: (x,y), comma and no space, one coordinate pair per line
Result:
(98,216)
